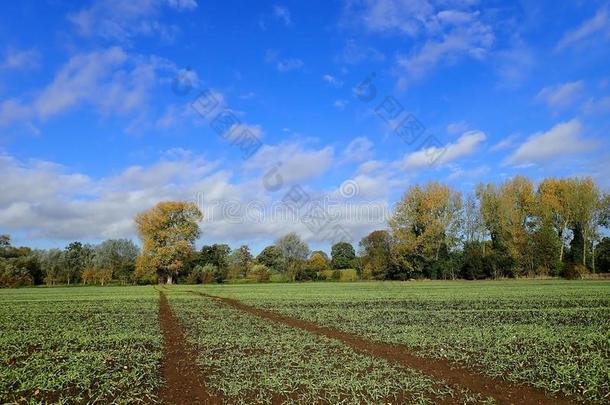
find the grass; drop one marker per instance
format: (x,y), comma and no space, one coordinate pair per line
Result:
(252,360)
(79,345)
(554,334)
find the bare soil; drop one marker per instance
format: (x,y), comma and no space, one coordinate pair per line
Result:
(184,383)
(502,392)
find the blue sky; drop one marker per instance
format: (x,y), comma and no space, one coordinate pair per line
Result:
(97,120)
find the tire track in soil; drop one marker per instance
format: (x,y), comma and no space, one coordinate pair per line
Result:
(503,392)
(184,384)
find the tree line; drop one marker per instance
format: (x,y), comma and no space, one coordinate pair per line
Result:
(513,229)
(112,260)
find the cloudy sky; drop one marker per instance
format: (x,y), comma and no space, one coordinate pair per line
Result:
(262,111)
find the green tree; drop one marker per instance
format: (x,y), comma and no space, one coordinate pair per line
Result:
(343,255)
(77,257)
(168,232)
(259,273)
(587,216)
(294,251)
(216,254)
(376,250)
(292,247)
(241,260)
(507,211)
(272,258)
(117,256)
(51,263)
(602,256)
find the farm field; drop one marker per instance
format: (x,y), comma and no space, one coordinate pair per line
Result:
(79,345)
(351,343)
(553,335)
(246,359)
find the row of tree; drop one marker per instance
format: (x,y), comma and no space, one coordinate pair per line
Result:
(114,259)
(289,258)
(509,230)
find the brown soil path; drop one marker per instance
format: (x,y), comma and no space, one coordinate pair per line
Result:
(503,392)
(183,381)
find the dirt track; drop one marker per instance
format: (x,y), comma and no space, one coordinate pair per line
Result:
(502,391)
(183,381)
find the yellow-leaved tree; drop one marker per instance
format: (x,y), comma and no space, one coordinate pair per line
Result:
(168,232)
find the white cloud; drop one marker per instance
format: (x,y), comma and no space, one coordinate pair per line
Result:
(12,110)
(281,64)
(20,59)
(596,28)
(562,95)
(437,155)
(563,139)
(236,132)
(170,118)
(369,166)
(296,163)
(354,53)
(504,143)
(597,105)
(447,31)
(473,39)
(332,80)
(111,81)
(393,16)
(121,21)
(182,4)
(359,149)
(457,128)
(36,181)
(47,201)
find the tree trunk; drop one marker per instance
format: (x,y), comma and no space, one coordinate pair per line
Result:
(584,248)
(169,280)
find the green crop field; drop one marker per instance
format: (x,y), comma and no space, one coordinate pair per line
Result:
(106,345)
(551,334)
(79,345)
(248,359)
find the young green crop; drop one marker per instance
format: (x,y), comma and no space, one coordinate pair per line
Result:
(79,345)
(252,360)
(554,335)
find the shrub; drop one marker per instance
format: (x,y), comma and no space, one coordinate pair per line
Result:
(349,275)
(194,277)
(574,271)
(12,277)
(213,274)
(92,275)
(336,275)
(206,274)
(259,273)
